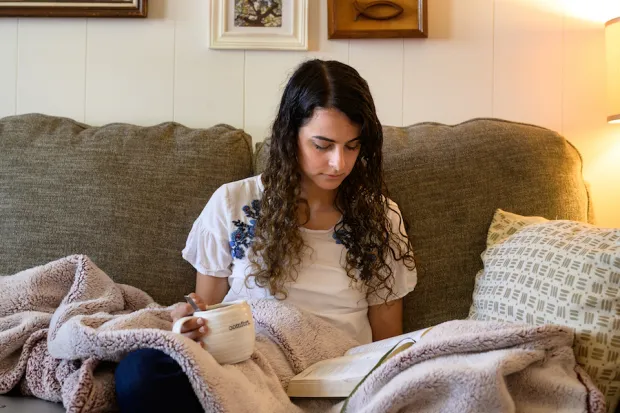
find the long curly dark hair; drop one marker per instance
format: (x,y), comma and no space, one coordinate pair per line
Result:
(365,228)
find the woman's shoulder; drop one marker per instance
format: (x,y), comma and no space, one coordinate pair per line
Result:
(249,186)
(242,196)
(395,215)
(391,206)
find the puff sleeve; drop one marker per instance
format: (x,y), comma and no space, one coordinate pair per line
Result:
(207,247)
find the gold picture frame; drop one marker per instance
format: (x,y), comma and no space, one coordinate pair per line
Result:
(363,19)
(73,8)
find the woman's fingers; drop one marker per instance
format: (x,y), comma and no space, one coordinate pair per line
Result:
(196,334)
(181,310)
(199,301)
(196,327)
(195,323)
(184,309)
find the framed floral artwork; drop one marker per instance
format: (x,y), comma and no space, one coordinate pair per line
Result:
(259,24)
(74,8)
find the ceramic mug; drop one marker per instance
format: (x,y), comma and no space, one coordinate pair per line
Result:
(230,337)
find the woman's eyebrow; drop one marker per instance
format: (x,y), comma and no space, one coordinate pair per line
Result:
(323,138)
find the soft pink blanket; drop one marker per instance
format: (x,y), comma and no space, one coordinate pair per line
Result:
(64,325)
(471,366)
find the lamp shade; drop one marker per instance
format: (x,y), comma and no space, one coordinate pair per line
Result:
(612,41)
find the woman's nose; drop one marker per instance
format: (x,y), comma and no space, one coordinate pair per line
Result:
(337,160)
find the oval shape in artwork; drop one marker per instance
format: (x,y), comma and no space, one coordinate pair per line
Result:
(373,10)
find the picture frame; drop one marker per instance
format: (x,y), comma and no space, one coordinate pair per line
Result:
(274,25)
(364,19)
(74,8)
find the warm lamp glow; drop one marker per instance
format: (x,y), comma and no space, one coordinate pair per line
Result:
(591,10)
(612,41)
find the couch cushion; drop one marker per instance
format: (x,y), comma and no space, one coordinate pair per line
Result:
(449,180)
(122,194)
(562,272)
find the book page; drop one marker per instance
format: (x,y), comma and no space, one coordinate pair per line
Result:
(338,377)
(388,343)
(341,368)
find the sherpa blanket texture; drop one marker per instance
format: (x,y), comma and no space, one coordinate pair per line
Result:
(64,326)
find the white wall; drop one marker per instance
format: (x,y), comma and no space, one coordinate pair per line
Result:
(538,61)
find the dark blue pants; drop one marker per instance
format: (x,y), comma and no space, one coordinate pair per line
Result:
(148,380)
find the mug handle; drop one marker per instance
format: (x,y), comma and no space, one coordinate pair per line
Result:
(178,325)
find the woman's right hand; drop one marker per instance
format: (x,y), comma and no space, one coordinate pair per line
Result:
(195,328)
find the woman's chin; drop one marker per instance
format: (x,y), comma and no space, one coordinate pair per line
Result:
(328,182)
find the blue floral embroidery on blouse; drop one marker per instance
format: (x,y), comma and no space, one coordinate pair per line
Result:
(343,237)
(241,238)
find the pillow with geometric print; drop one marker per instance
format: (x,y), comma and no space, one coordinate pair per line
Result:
(540,271)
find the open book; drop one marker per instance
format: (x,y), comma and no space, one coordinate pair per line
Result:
(338,377)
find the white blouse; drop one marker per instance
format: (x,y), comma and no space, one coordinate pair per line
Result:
(221,237)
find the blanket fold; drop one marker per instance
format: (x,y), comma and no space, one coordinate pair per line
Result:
(65,325)
(471,366)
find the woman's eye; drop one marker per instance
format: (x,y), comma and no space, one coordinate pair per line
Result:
(321,148)
(354,147)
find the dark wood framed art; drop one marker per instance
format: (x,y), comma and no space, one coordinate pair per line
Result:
(359,19)
(73,8)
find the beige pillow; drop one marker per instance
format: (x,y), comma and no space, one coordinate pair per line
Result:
(559,272)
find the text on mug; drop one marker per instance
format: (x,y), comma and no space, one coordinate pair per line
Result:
(239,325)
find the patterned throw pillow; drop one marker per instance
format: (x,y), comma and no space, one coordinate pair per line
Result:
(558,272)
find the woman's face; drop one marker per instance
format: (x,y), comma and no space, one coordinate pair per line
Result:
(328,148)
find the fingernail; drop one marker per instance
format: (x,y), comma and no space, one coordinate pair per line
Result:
(200,321)
(202,330)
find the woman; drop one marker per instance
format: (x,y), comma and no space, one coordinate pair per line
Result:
(316,229)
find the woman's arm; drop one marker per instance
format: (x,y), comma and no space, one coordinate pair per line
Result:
(212,290)
(386,320)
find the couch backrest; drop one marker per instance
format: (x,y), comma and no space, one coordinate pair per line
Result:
(448,182)
(123,194)
(127,196)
